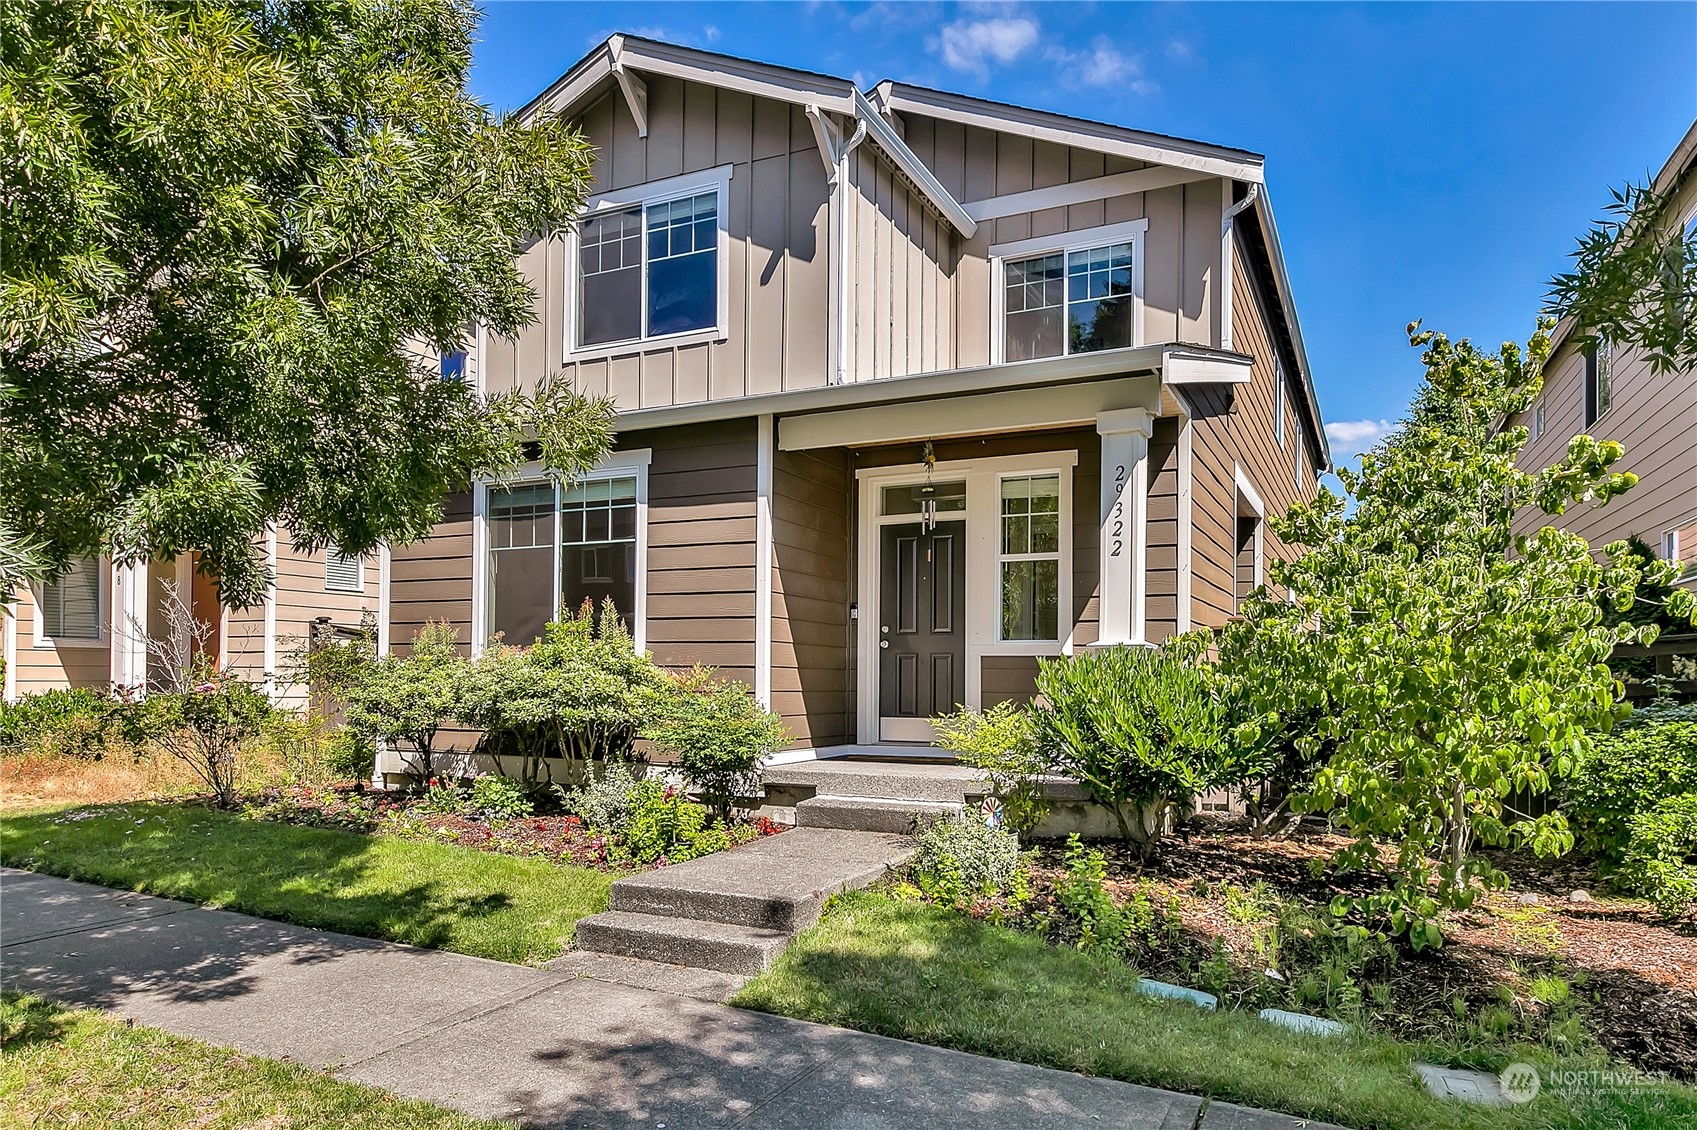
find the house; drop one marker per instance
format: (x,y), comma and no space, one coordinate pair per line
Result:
(90,626)
(1610,392)
(912,389)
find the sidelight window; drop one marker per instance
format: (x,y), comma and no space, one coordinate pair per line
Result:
(1029,557)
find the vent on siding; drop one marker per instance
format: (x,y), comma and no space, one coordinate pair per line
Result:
(342,573)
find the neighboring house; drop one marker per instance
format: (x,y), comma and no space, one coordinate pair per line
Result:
(912,389)
(89,627)
(1611,393)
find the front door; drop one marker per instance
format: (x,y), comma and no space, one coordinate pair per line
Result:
(921,626)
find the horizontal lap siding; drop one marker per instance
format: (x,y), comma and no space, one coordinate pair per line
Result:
(1009,678)
(812,582)
(701,541)
(1161,611)
(431,578)
(778,223)
(55,667)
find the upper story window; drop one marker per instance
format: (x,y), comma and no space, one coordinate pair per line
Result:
(1059,300)
(1599,392)
(650,262)
(452,365)
(70,605)
(1538,419)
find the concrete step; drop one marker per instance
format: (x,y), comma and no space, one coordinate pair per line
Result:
(682,941)
(882,779)
(869,814)
(777,882)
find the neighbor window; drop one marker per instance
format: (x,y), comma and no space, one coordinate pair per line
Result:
(1279,404)
(1599,365)
(452,365)
(70,603)
(1248,556)
(1538,419)
(1681,545)
(649,270)
(552,548)
(1068,302)
(1029,559)
(343,572)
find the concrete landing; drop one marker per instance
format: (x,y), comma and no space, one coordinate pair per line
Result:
(734,911)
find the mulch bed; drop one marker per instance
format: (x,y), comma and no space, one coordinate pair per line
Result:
(1634,973)
(558,837)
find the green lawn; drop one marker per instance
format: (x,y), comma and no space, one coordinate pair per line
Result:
(918,972)
(65,1068)
(426,894)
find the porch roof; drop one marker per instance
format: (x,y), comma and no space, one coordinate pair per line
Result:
(1172,364)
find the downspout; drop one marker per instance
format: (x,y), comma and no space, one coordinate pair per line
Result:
(1226,218)
(839,183)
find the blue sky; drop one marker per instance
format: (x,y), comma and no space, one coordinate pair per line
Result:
(1427,161)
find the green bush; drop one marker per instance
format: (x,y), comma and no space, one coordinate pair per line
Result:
(500,798)
(1646,759)
(957,859)
(1000,744)
(1145,727)
(603,802)
(70,723)
(581,694)
(1661,854)
(349,755)
(718,733)
(207,728)
(406,699)
(443,796)
(664,827)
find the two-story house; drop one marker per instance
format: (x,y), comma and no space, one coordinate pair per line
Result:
(1611,392)
(912,389)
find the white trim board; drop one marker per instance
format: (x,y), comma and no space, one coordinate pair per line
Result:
(763,553)
(1082,192)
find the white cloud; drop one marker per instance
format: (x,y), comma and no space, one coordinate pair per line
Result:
(1179,51)
(1363,432)
(1102,64)
(973,46)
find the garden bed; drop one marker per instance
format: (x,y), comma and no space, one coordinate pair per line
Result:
(557,836)
(1524,964)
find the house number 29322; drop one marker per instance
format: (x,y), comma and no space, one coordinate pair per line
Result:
(1116,535)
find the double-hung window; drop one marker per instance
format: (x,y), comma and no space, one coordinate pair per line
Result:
(70,605)
(1069,300)
(652,268)
(553,547)
(1029,557)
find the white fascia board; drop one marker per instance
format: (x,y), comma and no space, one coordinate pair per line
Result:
(1213,160)
(1212,368)
(1081,192)
(887,139)
(569,89)
(1281,278)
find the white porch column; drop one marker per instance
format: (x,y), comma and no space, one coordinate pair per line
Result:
(1125,520)
(129,627)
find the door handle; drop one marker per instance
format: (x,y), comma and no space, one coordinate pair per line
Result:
(883,643)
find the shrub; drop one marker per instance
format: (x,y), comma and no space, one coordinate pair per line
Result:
(76,723)
(500,798)
(719,734)
(207,727)
(1661,854)
(443,796)
(406,699)
(604,802)
(958,858)
(1136,726)
(581,693)
(1000,744)
(299,739)
(349,755)
(1646,759)
(664,827)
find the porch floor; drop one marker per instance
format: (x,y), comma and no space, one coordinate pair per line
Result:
(848,775)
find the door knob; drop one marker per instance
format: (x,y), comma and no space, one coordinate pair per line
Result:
(883,643)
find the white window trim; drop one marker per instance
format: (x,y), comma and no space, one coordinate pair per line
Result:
(654,192)
(102,637)
(983,584)
(1247,493)
(1279,402)
(1670,544)
(359,563)
(1134,232)
(1060,556)
(617,465)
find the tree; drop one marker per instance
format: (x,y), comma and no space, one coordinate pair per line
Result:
(1449,663)
(1634,279)
(406,699)
(237,236)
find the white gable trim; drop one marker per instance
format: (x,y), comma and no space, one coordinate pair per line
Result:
(1081,192)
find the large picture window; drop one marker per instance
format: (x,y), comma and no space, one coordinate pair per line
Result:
(649,270)
(1069,302)
(554,547)
(70,603)
(1029,557)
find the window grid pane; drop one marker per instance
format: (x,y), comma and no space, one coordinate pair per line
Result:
(1030,557)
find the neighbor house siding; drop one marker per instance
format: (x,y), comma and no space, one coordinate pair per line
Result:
(299,598)
(779,258)
(59,666)
(812,587)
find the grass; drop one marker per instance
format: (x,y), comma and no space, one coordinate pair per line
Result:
(919,972)
(80,1068)
(425,894)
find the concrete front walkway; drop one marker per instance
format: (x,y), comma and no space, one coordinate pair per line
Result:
(546,1048)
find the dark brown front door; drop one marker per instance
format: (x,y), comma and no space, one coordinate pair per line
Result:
(921,627)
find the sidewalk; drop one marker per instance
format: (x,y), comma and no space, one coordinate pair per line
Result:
(545,1048)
